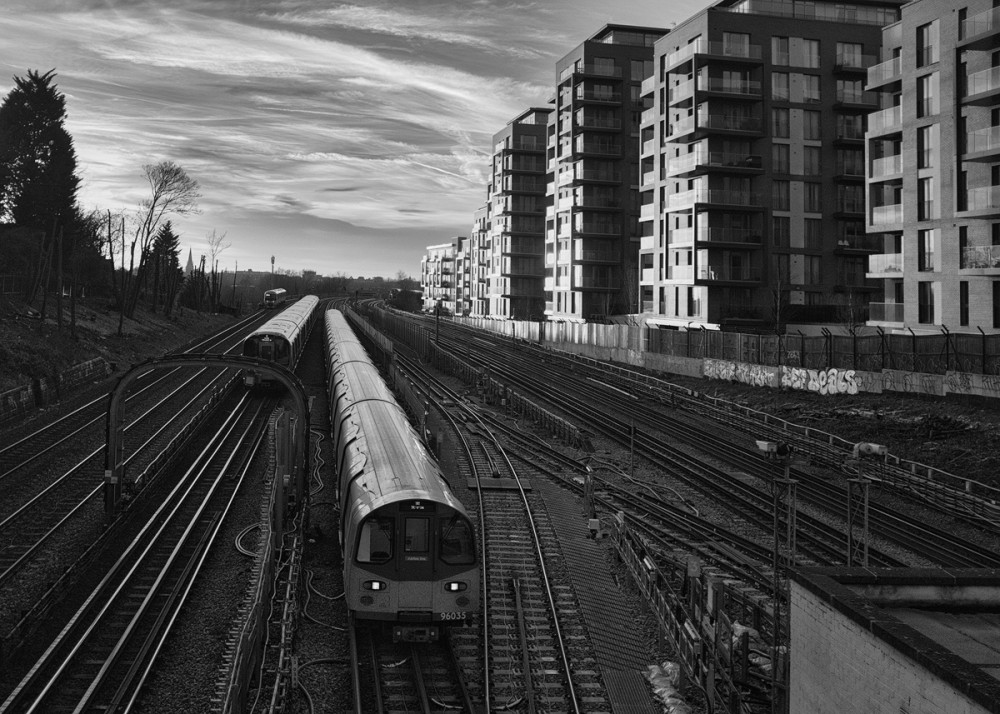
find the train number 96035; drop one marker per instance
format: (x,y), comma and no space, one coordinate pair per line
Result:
(452,615)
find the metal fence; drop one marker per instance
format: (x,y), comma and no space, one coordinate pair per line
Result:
(929,354)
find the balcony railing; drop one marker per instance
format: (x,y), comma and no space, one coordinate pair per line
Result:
(730,235)
(680,272)
(978,24)
(720,49)
(598,149)
(598,175)
(681,91)
(713,196)
(728,272)
(604,229)
(980,257)
(727,122)
(885,311)
(983,140)
(887,215)
(982,198)
(885,263)
(983,81)
(885,72)
(588,201)
(747,87)
(854,61)
(647,212)
(682,126)
(647,242)
(887,166)
(648,178)
(648,116)
(849,131)
(602,70)
(648,276)
(592,96)
(885,119)
(589,122)
(680,236)
(851,96)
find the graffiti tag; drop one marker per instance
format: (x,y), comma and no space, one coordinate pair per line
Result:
(823,381)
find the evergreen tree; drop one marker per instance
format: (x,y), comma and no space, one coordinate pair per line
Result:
(38,181)
(166,267)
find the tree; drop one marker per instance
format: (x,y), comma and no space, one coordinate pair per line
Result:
(172,191)
(215,248)
(166,267)
(38,181)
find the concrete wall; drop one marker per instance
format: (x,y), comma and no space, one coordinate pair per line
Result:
(839,667)
(46,390)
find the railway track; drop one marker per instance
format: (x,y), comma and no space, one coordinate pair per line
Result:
(102,656)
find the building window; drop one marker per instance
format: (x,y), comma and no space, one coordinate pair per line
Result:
(781,228)
(736,44)
(925,250)
(851,91)
(928,100)
(927,146)
(813,268)
(813,197)
(779,51)
(927,44)
(810,88)
(810,54)
(811,158)
(926,208)
(963,247)
(811,125)
(963,303)
(779,123)
(925,303)
(850,162)
(779,158)
(779,195)
(813,234)
(849,54)
(779,86)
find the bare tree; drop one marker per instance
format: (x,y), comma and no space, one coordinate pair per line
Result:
(172,191)
(215,248)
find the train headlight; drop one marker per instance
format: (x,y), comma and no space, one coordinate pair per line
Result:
(374,585)
(455,587)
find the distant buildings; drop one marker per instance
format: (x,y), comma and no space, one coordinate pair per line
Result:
(763,162)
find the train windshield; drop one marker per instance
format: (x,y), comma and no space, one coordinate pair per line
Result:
(457,542)
(417,532)
(375,541)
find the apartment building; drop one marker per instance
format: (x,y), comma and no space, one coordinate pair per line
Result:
(438,275)
(934,169)
(591,227)
(479,247)
(753,164)
(515,267)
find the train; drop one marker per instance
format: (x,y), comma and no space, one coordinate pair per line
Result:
(407,544)
(275,298)
(281,339)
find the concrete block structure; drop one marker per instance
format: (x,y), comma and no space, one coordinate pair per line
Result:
(886,641)
(438,276)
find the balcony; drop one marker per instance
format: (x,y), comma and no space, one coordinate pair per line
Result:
(681,93)
(681,128)
(885,311)
(729,273)
(849,243)
(885,265)
(698,161)
(887,167)
(749,88)
(885,73)
(648,117)
(982,144)
(648,87)
(888,215)
(730,235)
(851,98)
(885,121)
(849,133)
(647,242)
(600,70)
(648,179)
(979,31)
(851,62)
(590,122)
(682,236)
(595,228)
(648,147)
(713,198)
(589,95)
(982,87)
(984,200)
(598,176)
(597,148)
(647,276)
(590,201)
(683,273)
(981,257)
(647,212)
(731,51)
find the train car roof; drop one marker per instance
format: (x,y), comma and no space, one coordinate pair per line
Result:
(285,323)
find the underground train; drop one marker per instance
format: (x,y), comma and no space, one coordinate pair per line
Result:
(281,339)
(408,546)
(275,298)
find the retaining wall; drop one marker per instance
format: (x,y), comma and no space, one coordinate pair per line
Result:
(19,401)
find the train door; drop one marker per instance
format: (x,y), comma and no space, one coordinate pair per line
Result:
(266,348)
(416,568)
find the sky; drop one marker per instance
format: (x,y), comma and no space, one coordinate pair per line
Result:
(342,138)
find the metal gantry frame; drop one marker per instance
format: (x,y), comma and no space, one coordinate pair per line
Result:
(114,450)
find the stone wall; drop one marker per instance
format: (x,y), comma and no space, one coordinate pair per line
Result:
(21,400)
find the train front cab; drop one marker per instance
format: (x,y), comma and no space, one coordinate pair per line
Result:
(270,348)
(414,565)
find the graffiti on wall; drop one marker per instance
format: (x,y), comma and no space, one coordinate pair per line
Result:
(755,375)
(823,381)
